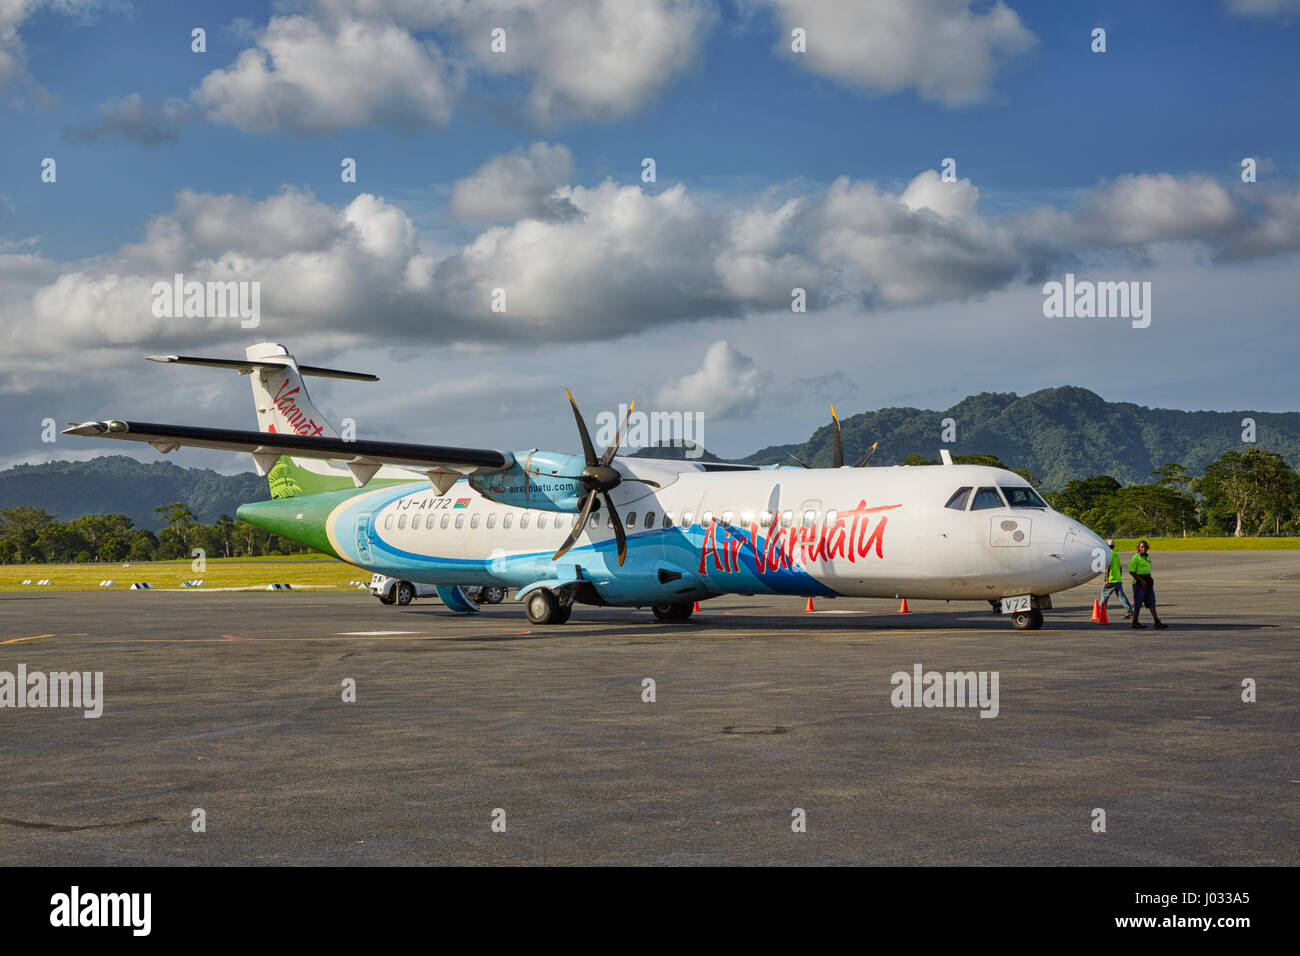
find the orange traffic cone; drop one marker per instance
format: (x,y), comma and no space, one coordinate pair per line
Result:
(1096,611)
(903,608)
(695,607)
(1104,618)
(809,607)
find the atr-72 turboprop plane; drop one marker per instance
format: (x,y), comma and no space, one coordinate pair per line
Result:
(633,532)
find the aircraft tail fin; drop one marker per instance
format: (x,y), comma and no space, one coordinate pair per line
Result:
(283,407)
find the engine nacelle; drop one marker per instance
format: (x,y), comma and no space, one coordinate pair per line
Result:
(536,480)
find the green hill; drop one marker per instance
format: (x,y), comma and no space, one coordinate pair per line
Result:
(1058,433)
(116,483)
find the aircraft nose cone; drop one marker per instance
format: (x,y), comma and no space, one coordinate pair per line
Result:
(1085,554)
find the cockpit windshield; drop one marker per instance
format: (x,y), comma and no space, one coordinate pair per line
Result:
(1022,496)
(959,498)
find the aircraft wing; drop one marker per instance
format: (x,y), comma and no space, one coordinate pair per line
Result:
(443,465)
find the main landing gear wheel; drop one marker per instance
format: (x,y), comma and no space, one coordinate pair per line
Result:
(1027,620)
(672,612)
(405,592)
(544,607)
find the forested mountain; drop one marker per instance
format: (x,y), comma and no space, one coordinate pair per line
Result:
(116,483)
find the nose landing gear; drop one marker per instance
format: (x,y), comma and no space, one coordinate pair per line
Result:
(1027,620)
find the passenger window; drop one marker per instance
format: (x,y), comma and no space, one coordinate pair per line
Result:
(1023,497)
(541,521)
(523,521)
(668,520)
(388,521)
(747,519)
(594,522)
(460,521)
(401,522)
(446,520)
(507,519)
(809,519)
(688,517)
(726,519)
(631,519)
(473,521)
(415,523)
(959,498)
(830,518)
(649,519)
(609,522)
(986,498)
(492,520)
(706,519)
(787,519)
(765,519)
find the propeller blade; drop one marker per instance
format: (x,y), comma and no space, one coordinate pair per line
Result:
(587,450)
(862,462)
(837,453)
(619,534)
(798,461)
(644,481)
(578,527)
(612,450)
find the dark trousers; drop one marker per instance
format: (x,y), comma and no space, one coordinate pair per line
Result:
(1144,595)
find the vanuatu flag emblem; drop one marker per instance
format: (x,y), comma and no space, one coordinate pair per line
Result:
(462,503)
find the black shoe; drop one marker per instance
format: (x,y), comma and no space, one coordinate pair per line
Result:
(1127,615)
(1162,625)
(1139,624)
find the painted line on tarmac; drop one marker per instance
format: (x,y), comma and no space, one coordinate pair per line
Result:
(15,640)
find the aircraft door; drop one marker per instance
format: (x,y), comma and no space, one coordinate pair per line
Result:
(364,525)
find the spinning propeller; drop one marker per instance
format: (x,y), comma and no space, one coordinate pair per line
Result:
(598,477)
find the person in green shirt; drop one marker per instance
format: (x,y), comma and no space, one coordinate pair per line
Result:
(1115,581)
(1144,589)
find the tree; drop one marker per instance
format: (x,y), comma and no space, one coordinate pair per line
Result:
(1147,510)
(21,526)
(1243,486)
(1083,495)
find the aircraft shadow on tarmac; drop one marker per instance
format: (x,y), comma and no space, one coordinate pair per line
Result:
(600,624)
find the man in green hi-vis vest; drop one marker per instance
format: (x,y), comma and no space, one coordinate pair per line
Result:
(1144,589)
(1115,581)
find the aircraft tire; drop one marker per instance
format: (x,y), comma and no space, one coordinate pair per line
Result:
(672,612)
(1027,620)
(405,592)
(541,607)
(562,613)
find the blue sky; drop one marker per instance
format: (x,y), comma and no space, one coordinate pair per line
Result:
(1125,163)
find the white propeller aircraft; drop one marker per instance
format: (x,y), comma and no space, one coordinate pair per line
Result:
(603,529)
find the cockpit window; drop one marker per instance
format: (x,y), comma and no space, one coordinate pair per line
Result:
(986,498)
(959,498)
(1023,497)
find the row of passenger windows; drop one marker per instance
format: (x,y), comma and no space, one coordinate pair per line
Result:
(1018,496)
(562,521)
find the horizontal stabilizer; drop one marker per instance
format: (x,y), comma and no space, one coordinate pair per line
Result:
(244,366)
(264,446)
